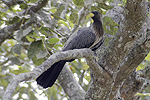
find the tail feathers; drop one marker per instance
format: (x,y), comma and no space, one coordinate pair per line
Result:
(48,78)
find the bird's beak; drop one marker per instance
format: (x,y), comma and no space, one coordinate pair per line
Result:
(91,14)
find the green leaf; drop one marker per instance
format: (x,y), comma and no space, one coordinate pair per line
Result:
(32,95)
(36,34)
(56,16)
(53,10)
(27,31)
(87,77)
(41,54)
(60,9)
(33,1)
(20,70)
(104,6)
(15,60)
(14,20)
(56,46)
(110,26)
(12,42)
(70,22)
(53,40)
(142,94)
(85,67)
(23,6)
(109,21)
(19,34)
(4,82)
(34,48)
(29,38)
(141,66)
(74,17)
(36,61)
(17,49)
(63,22)
(52,91)
(97,8)
(148,57)
(79,2)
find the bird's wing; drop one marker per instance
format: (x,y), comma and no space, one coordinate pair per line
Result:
(97,43)
(83,38)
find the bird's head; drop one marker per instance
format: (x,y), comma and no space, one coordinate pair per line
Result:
(95,15)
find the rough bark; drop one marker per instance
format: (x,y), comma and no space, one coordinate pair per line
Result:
(121,45)
(136,82)
(71,87)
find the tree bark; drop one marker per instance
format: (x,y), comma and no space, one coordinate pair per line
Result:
(125,46)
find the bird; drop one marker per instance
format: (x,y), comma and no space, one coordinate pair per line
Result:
(89,37)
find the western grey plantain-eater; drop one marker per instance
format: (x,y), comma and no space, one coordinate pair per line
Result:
(90,37)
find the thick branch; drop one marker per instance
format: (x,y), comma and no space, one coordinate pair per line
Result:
(70,85)
(135,83)
(135,14)
(66,55)
(118,48)
(130,87)
(125,37)
(131,61)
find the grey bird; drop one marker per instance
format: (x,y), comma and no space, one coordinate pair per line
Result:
(90,37)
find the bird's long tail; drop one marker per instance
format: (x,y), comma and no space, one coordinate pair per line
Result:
(48,78)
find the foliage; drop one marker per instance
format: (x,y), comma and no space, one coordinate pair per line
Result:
(31,45)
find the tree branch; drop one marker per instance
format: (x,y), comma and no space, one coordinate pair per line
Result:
(38,6)
(13,2)
(70,85)
(82,14)
(135,83)
(66,55)
(135,14)
(130,87)
(131,61)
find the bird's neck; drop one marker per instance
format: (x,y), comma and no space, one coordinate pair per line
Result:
(97,27)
